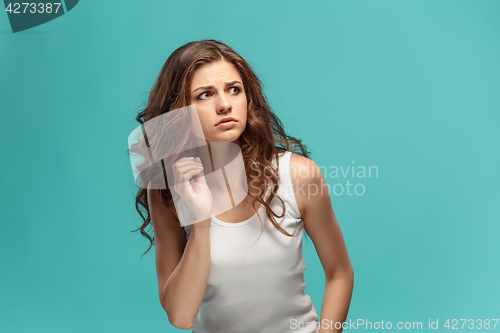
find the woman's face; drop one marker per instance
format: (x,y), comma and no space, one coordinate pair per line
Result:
(217,92)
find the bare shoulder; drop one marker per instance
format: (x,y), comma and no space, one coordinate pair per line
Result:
(307,181)
(299,161)
(320,222)
(304,170)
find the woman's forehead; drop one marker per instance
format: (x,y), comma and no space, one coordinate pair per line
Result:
(211,73)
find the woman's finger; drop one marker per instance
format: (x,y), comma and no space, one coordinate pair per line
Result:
(200,177)
(183,161)
(185,184)
(190,172)
(185,168)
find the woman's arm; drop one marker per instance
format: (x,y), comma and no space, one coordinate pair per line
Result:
(320,223)
(182,266)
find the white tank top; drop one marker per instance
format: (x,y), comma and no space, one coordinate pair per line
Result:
(256,285)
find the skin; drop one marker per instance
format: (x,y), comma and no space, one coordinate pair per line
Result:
(313,199)
(227,100)
(183,265)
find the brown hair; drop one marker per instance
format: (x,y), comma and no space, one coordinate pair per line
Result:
(263,137)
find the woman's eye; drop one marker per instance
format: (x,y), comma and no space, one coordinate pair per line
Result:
(203,95)
(237,89)
(206,94)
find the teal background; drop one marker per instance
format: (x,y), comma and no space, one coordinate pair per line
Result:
(411,87)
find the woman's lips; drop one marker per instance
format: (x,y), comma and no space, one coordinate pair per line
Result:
(227,124)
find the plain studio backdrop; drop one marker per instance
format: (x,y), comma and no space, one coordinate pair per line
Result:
(410,88)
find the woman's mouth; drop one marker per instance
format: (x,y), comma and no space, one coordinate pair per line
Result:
(227,124)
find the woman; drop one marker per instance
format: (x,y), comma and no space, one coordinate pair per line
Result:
(241,270)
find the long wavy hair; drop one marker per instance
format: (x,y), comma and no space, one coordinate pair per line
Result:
(263,137)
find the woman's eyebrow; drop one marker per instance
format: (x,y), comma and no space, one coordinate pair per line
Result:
(211,87)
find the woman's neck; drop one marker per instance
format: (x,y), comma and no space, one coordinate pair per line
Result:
(217,155)
(226,159)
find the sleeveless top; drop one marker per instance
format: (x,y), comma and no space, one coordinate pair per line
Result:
(257,284)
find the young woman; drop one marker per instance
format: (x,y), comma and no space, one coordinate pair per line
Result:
(242,270)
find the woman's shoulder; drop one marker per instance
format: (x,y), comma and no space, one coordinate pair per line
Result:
(303,167)
(306,178)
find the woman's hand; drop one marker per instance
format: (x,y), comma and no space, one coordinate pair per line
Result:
(196,194)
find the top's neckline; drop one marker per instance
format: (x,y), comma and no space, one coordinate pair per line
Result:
(238,224)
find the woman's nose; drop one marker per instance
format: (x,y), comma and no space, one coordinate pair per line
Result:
(224,104)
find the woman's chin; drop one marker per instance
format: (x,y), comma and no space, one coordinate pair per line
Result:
(223,140)
(224,137)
